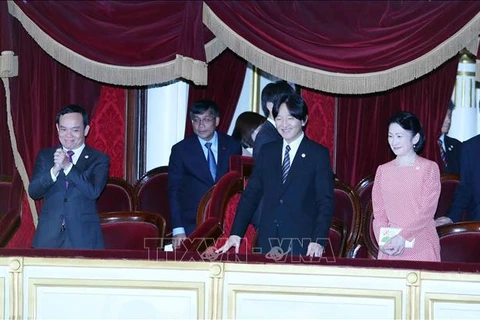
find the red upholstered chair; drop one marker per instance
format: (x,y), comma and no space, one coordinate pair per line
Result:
(368,239)
(241,164)
(151,194)
(364,190)
(11,195)
(460,242)
(117,196)
(215,215)
(449,183)
(132,230)
(347,211)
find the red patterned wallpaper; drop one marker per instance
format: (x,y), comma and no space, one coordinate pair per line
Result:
(321,118)
(107,132)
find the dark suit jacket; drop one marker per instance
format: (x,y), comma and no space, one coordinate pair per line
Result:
(189,177)
(453,149)
(301,208)
(77,204)
(467,194)
(268,133)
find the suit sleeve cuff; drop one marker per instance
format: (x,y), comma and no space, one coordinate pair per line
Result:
(177,231)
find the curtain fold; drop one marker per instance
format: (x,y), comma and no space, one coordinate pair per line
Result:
(345,47)
(120,42)
(362,121)
(225,81)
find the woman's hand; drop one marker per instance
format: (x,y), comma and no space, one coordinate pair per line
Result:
(395,246)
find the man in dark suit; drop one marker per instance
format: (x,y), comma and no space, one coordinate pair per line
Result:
(295,178)
(467,194)
(450,148)
(69,179)
(196,164)
(268,132)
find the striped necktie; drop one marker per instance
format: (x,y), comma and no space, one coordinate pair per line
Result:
(443,154)
(286,164)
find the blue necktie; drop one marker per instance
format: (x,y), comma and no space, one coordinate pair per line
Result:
(286,164)
(211,160)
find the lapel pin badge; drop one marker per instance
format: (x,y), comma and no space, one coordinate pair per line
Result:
(303,155)
(86,157)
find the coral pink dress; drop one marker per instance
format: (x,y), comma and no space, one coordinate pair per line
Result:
(407,198)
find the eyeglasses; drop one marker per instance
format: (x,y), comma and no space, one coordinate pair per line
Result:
(205,120)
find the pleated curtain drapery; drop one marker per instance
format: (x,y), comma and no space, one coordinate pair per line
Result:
(363,130)
(346,47)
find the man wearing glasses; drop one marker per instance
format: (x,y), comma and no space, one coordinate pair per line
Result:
(196,164)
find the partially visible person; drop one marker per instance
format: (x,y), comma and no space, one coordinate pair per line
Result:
(246,128)
(295,179)
(450,148)
(69,178)
(268,133)
(405,195)
(467,195)
(196,164)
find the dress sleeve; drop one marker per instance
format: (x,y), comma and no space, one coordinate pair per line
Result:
(380,218)
(428,201)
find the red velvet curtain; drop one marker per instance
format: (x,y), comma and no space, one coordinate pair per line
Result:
(346,36)
(318,44)
(225,80)
(124,33)
(102,37)
(362,121)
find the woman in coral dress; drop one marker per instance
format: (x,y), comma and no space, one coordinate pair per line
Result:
(405,195)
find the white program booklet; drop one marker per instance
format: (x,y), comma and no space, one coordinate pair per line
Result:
(387,233)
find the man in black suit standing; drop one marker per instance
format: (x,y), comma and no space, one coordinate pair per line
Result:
(196,164)
(467,194)
(69,178)
(268,132)
(295,178)
(450,148)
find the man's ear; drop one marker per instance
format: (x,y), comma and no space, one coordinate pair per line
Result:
(87,129)
(304,122)
(270,106)
(217,121)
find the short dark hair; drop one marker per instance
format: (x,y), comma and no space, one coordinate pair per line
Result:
(201,106)
(295,104)
(408,121)
(451,105)
(272,91)
(74,108)
(246,124)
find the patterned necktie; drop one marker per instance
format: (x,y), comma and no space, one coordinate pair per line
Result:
(211,160)
(286,164)
(70,154)
(443,154)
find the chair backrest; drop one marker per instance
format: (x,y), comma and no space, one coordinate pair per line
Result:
(203,208)
(368,235)
(449,183)
(132,230)
(347,211)
(242,164)
(11,196)
(151,194)
(5,188)
(460,242)
(117,196)
(364,190)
